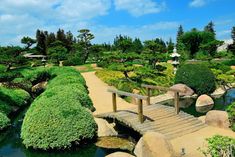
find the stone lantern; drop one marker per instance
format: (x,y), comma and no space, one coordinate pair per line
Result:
(43,61)
(175,59)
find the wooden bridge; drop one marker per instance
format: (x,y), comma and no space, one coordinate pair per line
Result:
(167,120)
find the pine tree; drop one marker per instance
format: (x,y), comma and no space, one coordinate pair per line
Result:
(170,46)
(179,34)
(233,34)
(137,46)
(50,39)
(210,28)
(41,42)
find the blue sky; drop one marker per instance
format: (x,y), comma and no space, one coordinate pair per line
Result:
(146,19)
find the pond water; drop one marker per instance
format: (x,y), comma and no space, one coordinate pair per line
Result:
(220,103)
(11,146)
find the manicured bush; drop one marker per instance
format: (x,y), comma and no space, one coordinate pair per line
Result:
(196,76)
(17,97)
(219,146)
(56,123)
(75,92)
(4,121)
(59,117)
(231,112)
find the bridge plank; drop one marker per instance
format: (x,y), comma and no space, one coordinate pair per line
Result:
(157,118)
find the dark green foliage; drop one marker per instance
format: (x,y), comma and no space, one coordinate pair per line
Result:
(210,28)
(17,97)
(219,146)
(231,112)
(198,77)
(123,43)
(59,117)
(178,38)
(28,41)
(21,83)
(4,121)
(5,107)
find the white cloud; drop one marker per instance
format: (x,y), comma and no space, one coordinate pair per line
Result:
(140,7)
(23,17)
(146,32)
(197,3)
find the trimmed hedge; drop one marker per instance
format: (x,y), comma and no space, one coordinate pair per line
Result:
(59,117)
(198,77)
(14,97)
(4,121)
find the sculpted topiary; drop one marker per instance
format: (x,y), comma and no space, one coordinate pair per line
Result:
(198,77)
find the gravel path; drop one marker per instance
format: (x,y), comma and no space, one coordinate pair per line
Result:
(102,99)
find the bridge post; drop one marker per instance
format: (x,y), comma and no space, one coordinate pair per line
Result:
(149,95)
(176,100)
(140,110)
(114,99)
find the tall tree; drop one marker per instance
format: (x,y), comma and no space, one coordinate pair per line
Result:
(51,39)
(210,27)
(84,38)
(41,42)
(123,43)
(179,34)
(170,46)
(28,41)
(233,34)
(137,46)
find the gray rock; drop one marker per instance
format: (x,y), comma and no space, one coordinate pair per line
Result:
(104,128)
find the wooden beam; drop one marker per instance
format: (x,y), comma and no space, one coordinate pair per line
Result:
(137,96)
(163,88)
(176,100)
(114,99)
(149,95)
(140,110)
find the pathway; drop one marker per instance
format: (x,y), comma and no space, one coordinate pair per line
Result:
(102,99)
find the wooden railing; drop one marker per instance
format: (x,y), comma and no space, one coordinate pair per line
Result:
(176,94)
(139,98)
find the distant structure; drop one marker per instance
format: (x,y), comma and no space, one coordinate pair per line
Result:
(225,45)
(175,59)
(32,56)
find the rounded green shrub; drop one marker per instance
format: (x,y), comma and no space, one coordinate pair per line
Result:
(4,121)
(5,107)
(56,122)
(17,97)
(75,92)
(59,117)
(198,77)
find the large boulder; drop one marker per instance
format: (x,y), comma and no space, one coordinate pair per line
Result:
(154,144)
(104,128)
(217,119)
(204,103)
(183,87)
(119,154)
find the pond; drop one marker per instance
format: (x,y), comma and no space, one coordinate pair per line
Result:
(11,145)
(220,103)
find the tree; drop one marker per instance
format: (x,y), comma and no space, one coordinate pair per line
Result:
(57,51)
(96,52)
(84,38)
(179,34)
(50,39)
(11,55)
(170,46)
(233,34)
(210,28)
(41,42)
(123,43)
(137,46)
(152,52)
(28,41)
